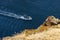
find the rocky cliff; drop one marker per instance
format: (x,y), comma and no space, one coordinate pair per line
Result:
(49,30)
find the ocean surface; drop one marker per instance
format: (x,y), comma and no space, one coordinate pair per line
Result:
(39,10)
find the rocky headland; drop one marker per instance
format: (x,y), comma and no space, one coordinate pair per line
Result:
(49,30)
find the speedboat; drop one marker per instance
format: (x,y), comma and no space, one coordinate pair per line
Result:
(26,17)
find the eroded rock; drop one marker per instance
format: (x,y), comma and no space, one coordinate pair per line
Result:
(51,20)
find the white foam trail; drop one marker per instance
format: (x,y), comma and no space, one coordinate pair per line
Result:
(9,14)
(15,15)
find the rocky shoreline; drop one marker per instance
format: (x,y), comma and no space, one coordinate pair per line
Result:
(49,30)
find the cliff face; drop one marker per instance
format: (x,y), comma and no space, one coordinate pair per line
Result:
(49,30)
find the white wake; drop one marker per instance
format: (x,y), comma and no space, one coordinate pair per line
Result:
(24,17)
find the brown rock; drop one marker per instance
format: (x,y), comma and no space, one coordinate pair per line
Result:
(51,20)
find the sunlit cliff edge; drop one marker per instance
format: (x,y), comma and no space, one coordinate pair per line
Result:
(49,30)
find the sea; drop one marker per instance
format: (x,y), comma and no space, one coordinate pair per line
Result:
(39,10)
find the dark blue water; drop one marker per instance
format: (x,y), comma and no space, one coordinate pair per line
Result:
(39,10)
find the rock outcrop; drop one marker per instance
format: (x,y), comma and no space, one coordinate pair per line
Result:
(51,20)
(49,30)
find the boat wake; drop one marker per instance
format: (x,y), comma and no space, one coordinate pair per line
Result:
(23,17)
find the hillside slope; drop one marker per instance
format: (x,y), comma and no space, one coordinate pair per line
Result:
(49,30)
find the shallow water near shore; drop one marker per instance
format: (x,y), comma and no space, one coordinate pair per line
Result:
(37,9)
